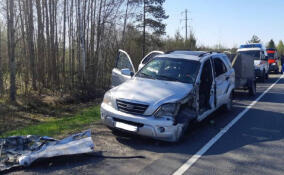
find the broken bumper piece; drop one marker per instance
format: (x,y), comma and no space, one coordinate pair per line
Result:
(23,150)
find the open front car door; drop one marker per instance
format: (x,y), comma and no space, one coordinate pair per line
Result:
(124,69)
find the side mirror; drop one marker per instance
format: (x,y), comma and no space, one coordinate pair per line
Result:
(127,72)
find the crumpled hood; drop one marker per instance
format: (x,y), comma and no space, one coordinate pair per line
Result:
(152,92)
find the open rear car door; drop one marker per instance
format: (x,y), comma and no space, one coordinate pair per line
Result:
(124,69)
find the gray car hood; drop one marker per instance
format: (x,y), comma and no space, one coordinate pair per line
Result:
(151,92)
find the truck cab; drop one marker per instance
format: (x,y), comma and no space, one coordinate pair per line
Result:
(273,60)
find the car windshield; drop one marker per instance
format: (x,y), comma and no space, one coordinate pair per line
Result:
(170,69)
(253,53)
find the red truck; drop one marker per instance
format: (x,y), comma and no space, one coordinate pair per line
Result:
(273,60)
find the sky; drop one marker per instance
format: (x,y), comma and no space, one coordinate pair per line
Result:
(227,22)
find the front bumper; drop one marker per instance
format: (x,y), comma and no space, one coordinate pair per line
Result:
(149,126)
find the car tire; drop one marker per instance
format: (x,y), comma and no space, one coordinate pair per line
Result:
(252,89)
(266,76)
(262,78)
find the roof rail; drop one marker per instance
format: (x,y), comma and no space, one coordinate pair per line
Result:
(187,52)
(203,54)
(209,52)
(177,50)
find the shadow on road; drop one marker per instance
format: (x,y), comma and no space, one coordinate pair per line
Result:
(257,127)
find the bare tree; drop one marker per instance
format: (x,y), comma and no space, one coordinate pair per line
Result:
(66,45)
(30,40)
(64,39)
(1,71)
(40,43)
(11,47)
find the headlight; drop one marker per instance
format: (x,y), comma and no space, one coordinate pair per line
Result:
(273,64)
(108,99)
(169,109)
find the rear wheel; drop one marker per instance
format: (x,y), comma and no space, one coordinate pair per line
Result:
(262,78)
(266,76)
(252,89)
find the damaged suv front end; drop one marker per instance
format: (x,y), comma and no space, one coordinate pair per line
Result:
(150,103)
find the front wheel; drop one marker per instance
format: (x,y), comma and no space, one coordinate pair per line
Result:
(252,89)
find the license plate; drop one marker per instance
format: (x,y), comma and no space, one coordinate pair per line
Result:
(125,126)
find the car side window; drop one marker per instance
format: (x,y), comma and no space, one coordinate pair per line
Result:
(123,62)
(220,67)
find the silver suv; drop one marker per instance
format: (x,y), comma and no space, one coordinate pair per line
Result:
(167,93)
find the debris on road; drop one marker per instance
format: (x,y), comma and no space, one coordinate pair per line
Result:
(17,151)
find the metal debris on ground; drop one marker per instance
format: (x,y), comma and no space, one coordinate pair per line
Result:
(17,151)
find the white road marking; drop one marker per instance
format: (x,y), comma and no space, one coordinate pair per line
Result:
(208,145)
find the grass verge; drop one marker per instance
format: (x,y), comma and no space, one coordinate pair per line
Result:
(62,126)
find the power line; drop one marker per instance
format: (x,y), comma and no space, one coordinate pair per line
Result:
(185,24)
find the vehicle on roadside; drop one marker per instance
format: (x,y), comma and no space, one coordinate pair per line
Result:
(274,61)
(243,65)
(258,51)
(282,64)
(166,94)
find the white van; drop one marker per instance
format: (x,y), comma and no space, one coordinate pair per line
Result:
(258,51)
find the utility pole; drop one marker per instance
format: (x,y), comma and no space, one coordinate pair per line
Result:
(186,19)
(186,24)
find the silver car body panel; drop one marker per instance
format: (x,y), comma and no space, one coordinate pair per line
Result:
(18,151)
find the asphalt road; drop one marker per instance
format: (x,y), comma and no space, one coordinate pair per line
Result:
(253,145)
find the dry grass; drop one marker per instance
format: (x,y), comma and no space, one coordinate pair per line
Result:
(33,115)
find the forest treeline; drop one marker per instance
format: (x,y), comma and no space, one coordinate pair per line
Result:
(69,46)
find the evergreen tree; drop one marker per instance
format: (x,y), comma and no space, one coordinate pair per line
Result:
(271,44)
(152,17)
(280,48)
(254,39)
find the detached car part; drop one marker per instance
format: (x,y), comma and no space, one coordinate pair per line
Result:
(19,151)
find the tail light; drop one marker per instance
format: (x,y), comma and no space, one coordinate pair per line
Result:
(270,61)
